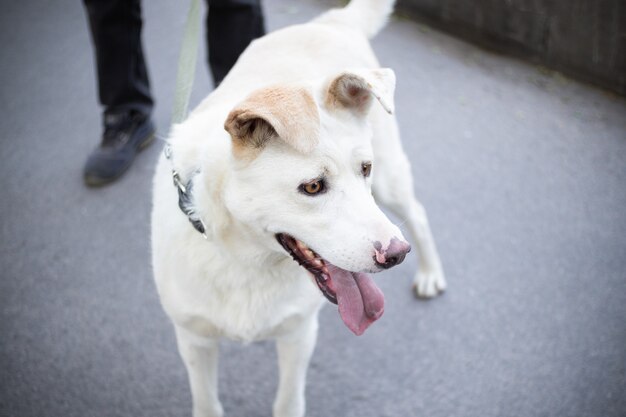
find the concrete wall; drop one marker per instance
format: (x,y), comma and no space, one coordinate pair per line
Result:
(585,39)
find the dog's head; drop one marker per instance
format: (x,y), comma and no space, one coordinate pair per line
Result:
(303,177)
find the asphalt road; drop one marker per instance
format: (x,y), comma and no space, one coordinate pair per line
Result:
(523,173)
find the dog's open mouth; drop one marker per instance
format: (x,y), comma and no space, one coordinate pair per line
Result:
(360,301)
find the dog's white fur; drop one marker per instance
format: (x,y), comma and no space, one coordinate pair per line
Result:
(239,283)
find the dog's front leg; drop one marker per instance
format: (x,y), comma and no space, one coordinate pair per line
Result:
(430,280)
(200,358)
(393,187)
(294,354)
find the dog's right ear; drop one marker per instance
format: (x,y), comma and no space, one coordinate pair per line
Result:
(285,112)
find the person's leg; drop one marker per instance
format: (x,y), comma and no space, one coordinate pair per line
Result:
(123,87)
(231,26)
(123,83)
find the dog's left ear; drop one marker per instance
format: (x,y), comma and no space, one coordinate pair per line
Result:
(355,89)
(285,112)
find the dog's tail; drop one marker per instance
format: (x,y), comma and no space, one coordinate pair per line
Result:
(367,16)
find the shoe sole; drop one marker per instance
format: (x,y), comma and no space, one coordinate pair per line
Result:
(94,181)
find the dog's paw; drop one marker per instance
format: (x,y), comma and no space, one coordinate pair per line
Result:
(284,412)
(290,405)
(428,284)
(213,410)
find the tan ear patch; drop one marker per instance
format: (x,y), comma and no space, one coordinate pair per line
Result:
(354,90)
(286,112)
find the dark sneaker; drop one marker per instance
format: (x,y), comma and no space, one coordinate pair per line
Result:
(124,136)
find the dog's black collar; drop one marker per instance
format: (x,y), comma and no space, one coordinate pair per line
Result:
(184,196)
(186,205)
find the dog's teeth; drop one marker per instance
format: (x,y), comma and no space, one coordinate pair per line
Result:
(309,254)
(317,262)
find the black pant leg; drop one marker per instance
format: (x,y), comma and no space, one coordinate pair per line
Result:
(123,83)
(231,26)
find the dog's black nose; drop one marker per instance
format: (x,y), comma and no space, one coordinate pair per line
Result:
(393,255)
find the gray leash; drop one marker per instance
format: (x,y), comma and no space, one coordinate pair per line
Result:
(187,63)
(184,83)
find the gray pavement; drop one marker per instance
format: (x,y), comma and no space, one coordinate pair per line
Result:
(523,173)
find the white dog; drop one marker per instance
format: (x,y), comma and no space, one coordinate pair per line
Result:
(281,163)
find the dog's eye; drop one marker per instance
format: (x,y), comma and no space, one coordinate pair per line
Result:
(314,187)
(366,169)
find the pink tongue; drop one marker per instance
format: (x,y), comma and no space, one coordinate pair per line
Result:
(360,301)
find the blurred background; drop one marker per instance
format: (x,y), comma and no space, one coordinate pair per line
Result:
(514,118)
